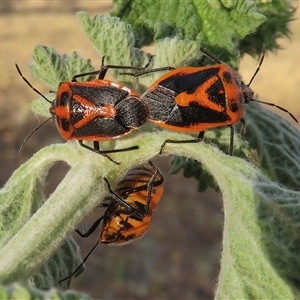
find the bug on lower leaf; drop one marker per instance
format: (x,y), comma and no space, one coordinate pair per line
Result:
(96,110)
(129,208)
(194,99)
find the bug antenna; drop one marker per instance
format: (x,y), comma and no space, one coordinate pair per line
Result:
(260,63)
(209,55)
(84,260)
(30,134)
(28,83)
(277,106)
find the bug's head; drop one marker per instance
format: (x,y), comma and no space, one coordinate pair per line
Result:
(248,93)
(61,112)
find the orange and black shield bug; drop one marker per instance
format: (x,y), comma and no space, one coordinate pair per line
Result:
(133,202)
(96,110)
(194,99)
(129,207)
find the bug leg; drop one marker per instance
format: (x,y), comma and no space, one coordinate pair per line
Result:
(104,153)
(197,140)
(104,68)
(231,139)
(242,131)
(96,149)
(133,211)
(211,56)
(119,199)
(74,78)
(143,72)
(150,190)
(84,260)
(85,235)
(91,229)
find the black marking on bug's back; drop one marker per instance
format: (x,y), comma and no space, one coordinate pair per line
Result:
(77,111)
(195,114)
(234,107)
(216,93)
(111,238)
(129,237)
(114,237)
(101,127)
(189,82)
(100,95)
(64,124)
(160,102)
(131,112)
(124,223)
(141,208)
(162,107)
(227,77)
(126,187)
(110,212)
(64,99)
(134,181)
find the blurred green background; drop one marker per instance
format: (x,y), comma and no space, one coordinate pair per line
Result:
(178,258)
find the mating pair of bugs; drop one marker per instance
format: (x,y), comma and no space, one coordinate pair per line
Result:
(187,99)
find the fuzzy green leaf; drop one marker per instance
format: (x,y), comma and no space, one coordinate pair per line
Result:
(52,69)
(279,15)
(250,200)
(196,170)
(21,291)
(199,21)
(18,207)
(23,193)
(261,240)
(260,217)
(113,39)
(60,265)
(180,53)
(119,49)
(40,106)
(277,142)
